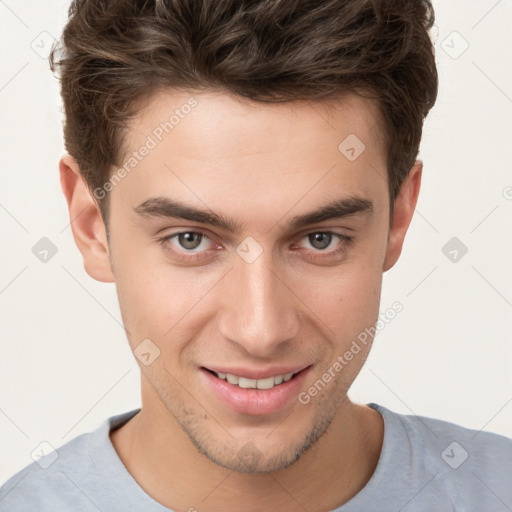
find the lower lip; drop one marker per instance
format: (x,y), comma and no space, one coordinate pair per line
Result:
(255,401)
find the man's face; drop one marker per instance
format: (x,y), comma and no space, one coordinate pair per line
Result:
(266,298)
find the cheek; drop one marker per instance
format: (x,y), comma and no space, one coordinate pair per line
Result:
(346,298)
(348,308)
(149,305)
(163,303)
(145,297)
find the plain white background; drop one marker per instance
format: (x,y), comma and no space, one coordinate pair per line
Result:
(65,364)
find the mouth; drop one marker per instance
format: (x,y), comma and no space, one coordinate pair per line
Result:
(256,396)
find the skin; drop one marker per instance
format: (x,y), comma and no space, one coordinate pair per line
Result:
(259,165)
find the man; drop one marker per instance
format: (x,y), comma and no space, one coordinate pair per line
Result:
(245,171)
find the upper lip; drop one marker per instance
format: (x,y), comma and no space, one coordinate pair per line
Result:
(257,373)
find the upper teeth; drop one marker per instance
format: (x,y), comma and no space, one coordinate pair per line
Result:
(267,383)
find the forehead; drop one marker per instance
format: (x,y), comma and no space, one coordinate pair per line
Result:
(258,125)
(210,145)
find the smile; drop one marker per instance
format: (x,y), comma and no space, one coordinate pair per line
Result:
(246,383)
(254,396)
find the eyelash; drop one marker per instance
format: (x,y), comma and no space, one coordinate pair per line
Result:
(194,256)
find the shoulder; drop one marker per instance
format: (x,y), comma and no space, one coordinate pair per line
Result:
(69,476)
(460,446)
(469,466)
(48,481)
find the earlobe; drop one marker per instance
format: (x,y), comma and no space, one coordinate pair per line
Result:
(403,211)
(86,221)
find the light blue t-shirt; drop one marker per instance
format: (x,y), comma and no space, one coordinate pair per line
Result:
(425,465)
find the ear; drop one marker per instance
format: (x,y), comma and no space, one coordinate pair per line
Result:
(403,211)
(86,221)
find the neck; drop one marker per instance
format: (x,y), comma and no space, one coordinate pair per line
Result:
(164,462)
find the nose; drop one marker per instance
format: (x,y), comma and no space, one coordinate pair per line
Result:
(259,307)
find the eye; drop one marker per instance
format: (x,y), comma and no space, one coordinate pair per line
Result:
(326,244)
(186,245)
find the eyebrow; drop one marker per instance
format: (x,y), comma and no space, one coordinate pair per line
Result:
(169,208)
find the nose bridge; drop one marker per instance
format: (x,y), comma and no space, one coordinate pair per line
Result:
(258,311)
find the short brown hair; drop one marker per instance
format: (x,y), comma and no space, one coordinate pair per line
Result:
(115,54)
